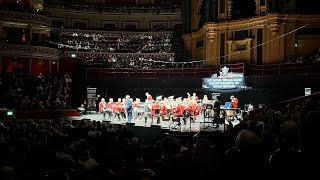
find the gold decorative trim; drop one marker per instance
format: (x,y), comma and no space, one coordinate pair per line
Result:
(25,18)
(29,51)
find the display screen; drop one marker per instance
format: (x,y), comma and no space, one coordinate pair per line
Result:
(233,83)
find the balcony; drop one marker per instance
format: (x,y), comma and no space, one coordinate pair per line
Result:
(29,51)
(155,9)
(12,17)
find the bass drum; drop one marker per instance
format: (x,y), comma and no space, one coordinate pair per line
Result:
(230,112)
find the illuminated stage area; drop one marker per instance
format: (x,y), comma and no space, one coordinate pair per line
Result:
(200,124)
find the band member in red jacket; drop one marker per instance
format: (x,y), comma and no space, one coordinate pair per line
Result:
(163,109)
(149,97)
(190,109)
(234,102)
(155,107)
(109,108)
(103,107)
(180,110)
(117,109)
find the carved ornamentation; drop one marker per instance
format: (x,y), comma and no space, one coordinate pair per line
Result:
(29,51)
(26,18)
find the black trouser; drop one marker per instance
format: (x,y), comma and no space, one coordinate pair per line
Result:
(109,114)
(104,114)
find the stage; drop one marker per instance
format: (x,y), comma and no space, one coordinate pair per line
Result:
(200,124)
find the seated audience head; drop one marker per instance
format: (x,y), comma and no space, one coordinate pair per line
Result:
(247,140)
(170,147)
(290,133)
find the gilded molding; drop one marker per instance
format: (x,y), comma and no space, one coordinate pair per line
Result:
(29,51)
(25,18)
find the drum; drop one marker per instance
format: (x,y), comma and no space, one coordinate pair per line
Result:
(230,112)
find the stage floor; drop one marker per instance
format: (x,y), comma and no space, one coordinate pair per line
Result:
(201,123)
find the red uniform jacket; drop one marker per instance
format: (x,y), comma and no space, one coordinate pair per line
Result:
(163,110)
(117,108)
(149,97)
(179,110)
(235,103)
(154,107)
(102,106)
(190,109)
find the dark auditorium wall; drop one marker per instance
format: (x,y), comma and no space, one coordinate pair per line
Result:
(40,66)
(15,62)
(69,65)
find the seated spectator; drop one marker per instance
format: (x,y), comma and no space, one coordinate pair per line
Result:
(175,164)
(288,158)
(87,163)
(246,156)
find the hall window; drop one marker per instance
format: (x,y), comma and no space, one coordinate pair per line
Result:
(262,2)
(222,6)
(240,35)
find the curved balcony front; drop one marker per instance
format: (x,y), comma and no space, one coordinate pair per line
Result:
(11,17)
(29,51)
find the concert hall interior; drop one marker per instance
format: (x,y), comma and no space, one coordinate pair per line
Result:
(159,89)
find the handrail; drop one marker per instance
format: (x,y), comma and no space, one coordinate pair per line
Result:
(26,17)
(29,50)
(66,31)
(113,9)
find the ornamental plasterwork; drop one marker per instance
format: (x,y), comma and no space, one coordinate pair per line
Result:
(26,18)
(29,51)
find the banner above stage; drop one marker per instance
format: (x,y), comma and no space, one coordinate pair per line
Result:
(224,81)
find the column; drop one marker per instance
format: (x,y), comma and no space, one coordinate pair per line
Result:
(57,64)
(30,33)
(249,52)
(30,66)
(209,48)
(1,32)
(229,9)
(1,64)
(50,63)
(228,59)
(275,45)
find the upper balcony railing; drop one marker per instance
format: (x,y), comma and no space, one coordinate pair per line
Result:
(113,9)
(282,69)
(29,51)
(249,70)
(25,18)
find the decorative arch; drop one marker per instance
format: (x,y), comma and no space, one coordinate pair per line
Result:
(196,8)
(199,6)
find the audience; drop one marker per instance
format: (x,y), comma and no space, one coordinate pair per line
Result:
(62,148)
(156,42)
(165,7)
(40,92)
(130,61)
(314,57)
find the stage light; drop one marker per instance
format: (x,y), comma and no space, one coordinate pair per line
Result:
(73,55)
